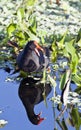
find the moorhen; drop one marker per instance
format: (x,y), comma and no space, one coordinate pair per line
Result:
(31,93)
(33,58)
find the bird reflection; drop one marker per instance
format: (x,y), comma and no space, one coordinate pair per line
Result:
(31,93)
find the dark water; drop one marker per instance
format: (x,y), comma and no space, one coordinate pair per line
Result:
(14,112)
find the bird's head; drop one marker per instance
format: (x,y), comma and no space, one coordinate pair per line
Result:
(34,46)
(36,119)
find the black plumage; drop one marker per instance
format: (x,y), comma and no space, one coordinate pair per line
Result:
(31,93)
(33,58)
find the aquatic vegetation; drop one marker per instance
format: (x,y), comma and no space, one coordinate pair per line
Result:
(58,28)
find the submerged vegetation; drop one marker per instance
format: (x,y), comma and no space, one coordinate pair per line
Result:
(50,25)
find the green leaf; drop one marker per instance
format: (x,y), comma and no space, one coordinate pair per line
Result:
(65,77)
(74,63)
(44,76)
(76,118)
(78,90)
(64,125)
(52,81)
(32,36)
(61,42)
(44,97)
(79,43)
(10,29)
(44,82)
(79,35)
(21,37)
(76,79)
(62,81)
(70,49)
(20,14)
(23,74)
(70,121)
(54,51)
(33,26)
